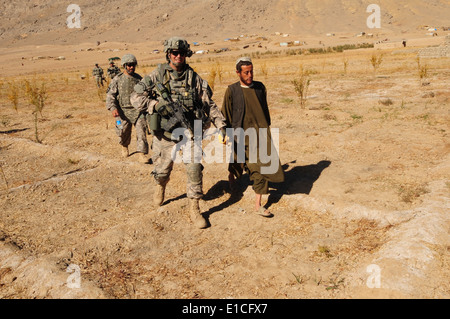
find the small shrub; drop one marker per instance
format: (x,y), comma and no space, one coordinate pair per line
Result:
(301,84)
(37,96)
(13,94)
(324,250)
(345,62)
(212,76)
(376,60)
(422,70)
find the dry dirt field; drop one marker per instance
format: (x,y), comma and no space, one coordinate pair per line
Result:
(366,194)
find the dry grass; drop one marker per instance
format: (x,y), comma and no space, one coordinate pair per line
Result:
(365,236)
(13,94)
(408,193)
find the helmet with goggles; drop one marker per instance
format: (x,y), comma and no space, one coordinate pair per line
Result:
(128,58)
(177,44)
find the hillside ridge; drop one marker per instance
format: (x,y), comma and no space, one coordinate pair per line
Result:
(33,22)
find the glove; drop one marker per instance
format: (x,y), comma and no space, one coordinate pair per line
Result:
(222,136)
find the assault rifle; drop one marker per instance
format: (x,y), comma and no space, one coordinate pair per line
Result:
(175,111)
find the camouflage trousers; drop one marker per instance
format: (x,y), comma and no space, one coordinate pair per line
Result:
(141,134)
(99,80)
(163,151)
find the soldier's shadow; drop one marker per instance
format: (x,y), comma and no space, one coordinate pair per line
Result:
(298,180)
(221,188)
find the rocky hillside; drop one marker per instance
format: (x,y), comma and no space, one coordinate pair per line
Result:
(44,22)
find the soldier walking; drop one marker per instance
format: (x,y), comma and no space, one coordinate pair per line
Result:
(97,73)
(118,102)
(113,70)
(183,84)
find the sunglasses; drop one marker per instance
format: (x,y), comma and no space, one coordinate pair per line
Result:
(176,53)
(130,64)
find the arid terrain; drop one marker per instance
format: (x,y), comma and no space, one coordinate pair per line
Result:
(364,210)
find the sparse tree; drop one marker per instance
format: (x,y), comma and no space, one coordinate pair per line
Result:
(37,96)
(422,71)
(301,85)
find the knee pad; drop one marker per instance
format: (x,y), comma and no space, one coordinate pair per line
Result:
(161,179)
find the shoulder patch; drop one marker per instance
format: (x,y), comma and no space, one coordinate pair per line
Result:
(139,88)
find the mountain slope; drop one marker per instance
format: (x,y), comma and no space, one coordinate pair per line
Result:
(44,22)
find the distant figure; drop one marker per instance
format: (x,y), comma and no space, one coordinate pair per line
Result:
(118,102)
(404,43)
(97,73)
(113,70)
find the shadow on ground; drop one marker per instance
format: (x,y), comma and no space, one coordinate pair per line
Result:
(298,180)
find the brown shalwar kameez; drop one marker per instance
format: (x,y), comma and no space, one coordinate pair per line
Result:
(254,117)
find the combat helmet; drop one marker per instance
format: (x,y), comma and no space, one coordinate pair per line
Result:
(128,58)
(177,43)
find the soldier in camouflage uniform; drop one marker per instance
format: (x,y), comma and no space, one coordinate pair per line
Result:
(194,93)
(113,70)
(97,73)
(118,102)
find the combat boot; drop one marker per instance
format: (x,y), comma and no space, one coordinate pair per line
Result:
(158,200)
(196,216)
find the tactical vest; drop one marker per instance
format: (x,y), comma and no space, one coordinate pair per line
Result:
(182,89)
(125,85)
(113,71)
(97,72)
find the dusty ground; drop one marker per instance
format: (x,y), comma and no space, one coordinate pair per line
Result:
(367,183)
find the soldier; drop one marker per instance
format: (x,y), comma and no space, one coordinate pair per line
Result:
(97,73)
(187,87)
(113,70)
(118,102)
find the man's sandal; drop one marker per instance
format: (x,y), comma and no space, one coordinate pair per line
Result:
(262,211)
